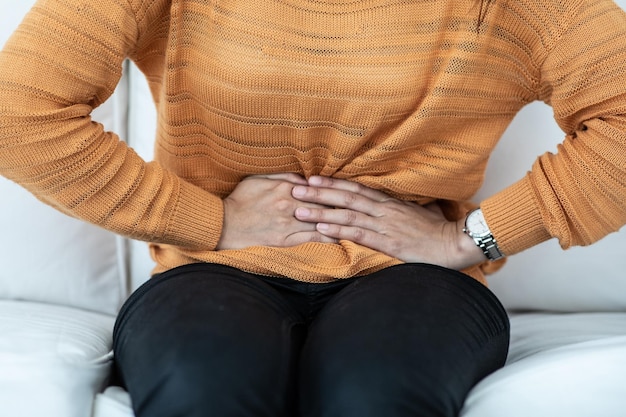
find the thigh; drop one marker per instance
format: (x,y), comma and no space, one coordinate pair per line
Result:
(407,341)
(205,340)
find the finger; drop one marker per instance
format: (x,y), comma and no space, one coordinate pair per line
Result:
(359,235)
(341,217)
(337,198)
(283,176)
(300,238)
(355,187)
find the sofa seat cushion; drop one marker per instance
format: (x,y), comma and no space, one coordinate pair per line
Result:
(113,402)
(53,359)
(559,365)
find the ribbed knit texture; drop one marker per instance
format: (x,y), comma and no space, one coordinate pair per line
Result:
(408,97)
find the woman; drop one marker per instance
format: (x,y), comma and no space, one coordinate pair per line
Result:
(307,210)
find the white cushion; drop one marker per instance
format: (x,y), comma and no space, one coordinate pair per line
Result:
(50,257)
(545,277)
(142,122)
(53,359)
(571,365)
(113,402)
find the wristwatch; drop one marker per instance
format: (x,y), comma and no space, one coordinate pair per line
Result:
(476,228)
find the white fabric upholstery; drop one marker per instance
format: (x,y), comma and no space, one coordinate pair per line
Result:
(113,402)
(546,277)
(141,132)
(53,359)
(559,365)
(570,365)
(50,257)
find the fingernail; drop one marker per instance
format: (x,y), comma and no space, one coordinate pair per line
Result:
(322,226)
(298,191)
(303,212)
(315,180)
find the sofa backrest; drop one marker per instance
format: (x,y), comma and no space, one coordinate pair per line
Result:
(47,256)
(546,277)
(543,278)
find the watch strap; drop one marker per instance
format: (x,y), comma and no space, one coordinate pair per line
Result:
(489,247)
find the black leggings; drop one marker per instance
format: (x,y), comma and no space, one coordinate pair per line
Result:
(207,340)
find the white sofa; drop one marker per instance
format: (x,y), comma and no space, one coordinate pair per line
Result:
(62,282)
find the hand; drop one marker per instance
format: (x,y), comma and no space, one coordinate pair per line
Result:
(405,230)
(260,211)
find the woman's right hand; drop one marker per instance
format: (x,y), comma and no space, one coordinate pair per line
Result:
(260,211)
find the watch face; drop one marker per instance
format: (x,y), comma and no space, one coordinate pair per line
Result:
(476,225)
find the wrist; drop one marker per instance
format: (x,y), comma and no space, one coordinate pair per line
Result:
(468,251)
(462,251)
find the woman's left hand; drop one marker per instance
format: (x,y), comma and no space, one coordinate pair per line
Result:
(404,230)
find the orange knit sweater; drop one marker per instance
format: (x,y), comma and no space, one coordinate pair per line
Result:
(408,97)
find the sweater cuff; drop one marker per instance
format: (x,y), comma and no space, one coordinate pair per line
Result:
(197,220)
(514,218)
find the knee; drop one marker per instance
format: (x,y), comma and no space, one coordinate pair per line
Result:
(207,387)
(376,389)
(215,378)
(177,390)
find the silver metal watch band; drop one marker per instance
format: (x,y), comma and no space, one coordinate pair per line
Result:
(490,248)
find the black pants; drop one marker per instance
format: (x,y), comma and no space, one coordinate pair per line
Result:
(211,341)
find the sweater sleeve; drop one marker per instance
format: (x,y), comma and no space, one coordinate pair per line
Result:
(64,60)
(577,195)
